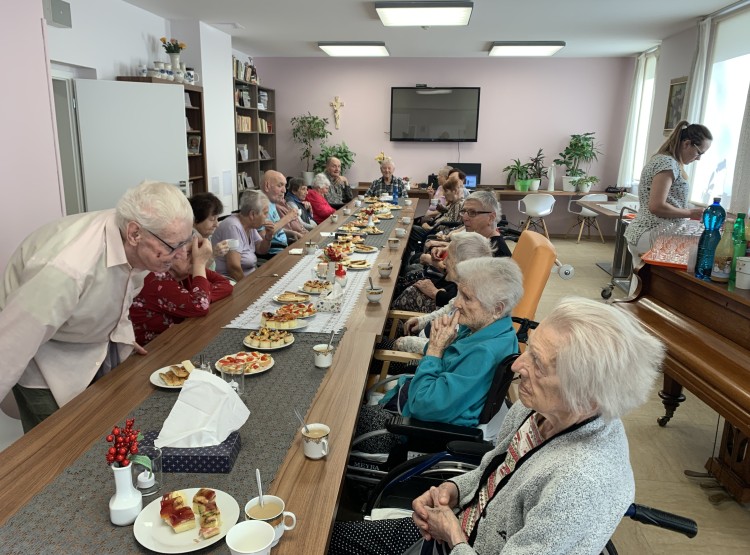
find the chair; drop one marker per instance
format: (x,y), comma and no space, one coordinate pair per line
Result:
(534,254)
(535,207)
(586,217)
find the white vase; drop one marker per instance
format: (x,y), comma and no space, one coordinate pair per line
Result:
(566,182)
(174,59)
(551,178)
(127,502)
(308,176)
(535,184)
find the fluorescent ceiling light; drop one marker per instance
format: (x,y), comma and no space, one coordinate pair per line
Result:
(424,14)
(526,48)
(352,49)
(434,91)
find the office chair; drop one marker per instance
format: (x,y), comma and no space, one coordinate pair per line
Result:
(535,207)
(584,216)
(534,254)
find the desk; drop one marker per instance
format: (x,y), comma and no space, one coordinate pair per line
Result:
(310,488)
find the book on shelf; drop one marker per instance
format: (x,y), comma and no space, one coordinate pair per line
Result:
(262,125)
(194,144)
(244,124)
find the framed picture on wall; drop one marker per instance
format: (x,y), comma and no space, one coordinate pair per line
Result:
(675,103)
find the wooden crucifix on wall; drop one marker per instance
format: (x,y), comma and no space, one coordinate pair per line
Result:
(337,105)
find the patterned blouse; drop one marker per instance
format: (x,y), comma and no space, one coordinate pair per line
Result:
(164,301)
(677,196)
(379,187)
(339,193)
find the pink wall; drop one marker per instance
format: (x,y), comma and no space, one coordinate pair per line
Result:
(525,104)
(28,147)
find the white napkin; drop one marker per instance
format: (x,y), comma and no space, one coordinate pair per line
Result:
(295,251)
(335,293)
(205,413)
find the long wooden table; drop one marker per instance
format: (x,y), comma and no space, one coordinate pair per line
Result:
(311,489)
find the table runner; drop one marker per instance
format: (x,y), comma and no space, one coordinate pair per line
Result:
(324,322)
(71,515)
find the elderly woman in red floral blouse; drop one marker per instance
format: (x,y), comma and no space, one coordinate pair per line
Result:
(186,290)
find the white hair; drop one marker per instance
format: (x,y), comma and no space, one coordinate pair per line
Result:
(253,201)
(444,171)
(466,245)
(387,162)
(154,205)
(321,180)
(606,360)
(494,281)
(488,201)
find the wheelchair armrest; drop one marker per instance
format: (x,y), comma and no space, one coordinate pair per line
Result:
(403,314)
(470,448)
(433,431)
(395,356)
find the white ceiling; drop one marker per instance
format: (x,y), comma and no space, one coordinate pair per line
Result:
(591,28)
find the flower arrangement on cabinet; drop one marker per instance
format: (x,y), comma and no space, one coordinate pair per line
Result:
(382,157)
(172,46)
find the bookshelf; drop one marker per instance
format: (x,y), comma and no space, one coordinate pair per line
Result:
(255,128)
(195,141)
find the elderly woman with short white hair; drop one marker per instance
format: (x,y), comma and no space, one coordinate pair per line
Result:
(559,479)
(451,383)
(316,197)
(385,184)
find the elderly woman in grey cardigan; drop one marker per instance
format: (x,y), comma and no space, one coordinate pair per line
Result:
(559,479)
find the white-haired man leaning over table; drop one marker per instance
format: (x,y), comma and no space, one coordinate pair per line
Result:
(67,289)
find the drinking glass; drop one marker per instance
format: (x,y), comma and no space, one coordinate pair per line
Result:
(148,481)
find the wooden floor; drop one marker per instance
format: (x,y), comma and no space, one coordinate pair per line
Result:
(659,455)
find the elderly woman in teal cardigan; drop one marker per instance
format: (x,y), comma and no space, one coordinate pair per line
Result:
(452,380)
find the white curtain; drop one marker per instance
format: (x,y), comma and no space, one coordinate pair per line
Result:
(625,177)
(697,79)
(741,182)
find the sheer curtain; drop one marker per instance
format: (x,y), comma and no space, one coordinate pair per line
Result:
(741,183)
(639,114)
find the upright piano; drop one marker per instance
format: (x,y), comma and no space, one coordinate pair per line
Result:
(706,329)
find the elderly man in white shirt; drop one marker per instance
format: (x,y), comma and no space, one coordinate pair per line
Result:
(67,289)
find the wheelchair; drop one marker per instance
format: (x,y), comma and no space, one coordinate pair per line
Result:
(413,477)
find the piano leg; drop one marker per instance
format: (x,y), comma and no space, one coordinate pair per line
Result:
(671,397)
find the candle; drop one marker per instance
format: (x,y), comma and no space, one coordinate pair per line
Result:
(146,479)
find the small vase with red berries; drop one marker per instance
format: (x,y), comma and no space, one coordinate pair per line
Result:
(127,502)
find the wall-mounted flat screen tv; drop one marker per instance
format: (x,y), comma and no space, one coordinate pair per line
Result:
(434,114)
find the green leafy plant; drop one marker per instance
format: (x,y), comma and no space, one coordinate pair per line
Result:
(581,150)
(584,183)
(340,151)
(536,166)
(306,129)
(517,171)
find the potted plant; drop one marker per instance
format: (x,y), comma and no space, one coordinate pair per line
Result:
(518,173)
(306,129)
(583,184)
(581,150)
(537,171)
(340,151)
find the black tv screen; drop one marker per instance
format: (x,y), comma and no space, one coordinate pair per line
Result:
(434,114)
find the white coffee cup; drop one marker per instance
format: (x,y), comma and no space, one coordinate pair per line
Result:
(407,202)
(323,355)
(374,295)
(334,218)
(347,211)
(400,232)
(385,269)
(233,244)
(360,197)
(315,440)
(278,518)
(357,203)
(742,275)
(406,220)
(251,537)
(310,247)
(393,243)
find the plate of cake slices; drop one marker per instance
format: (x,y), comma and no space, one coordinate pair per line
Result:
(360,264)
(372,230)
(173,376)
(366,249)
(186,520)
(299,310)
(249,362)
(281,321)
(266,339)
(291,297)
(316,286)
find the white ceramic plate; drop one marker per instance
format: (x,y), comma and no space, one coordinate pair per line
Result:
(276,298)
(260,371)
(308,293)
(300,324)
(365,267)
(156,380)
(269,349)
(366,251)
(153,533)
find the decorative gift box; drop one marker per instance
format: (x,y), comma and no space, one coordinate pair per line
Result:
(215,459)
(331,302)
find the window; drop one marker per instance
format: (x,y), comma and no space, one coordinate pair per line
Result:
(725,100)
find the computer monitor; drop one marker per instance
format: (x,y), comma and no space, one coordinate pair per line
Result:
(473,173)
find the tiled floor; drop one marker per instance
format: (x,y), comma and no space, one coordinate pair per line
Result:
(660,455)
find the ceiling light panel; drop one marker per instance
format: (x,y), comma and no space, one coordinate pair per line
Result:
(354,49)
(424,14)
(526,48)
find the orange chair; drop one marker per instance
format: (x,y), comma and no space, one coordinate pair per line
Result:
(534,254)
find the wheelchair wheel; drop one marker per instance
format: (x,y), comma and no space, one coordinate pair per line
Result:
(609,549)
(412,478)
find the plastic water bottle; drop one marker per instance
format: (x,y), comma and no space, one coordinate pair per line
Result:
(713,219)
(738,240)
(395,195)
